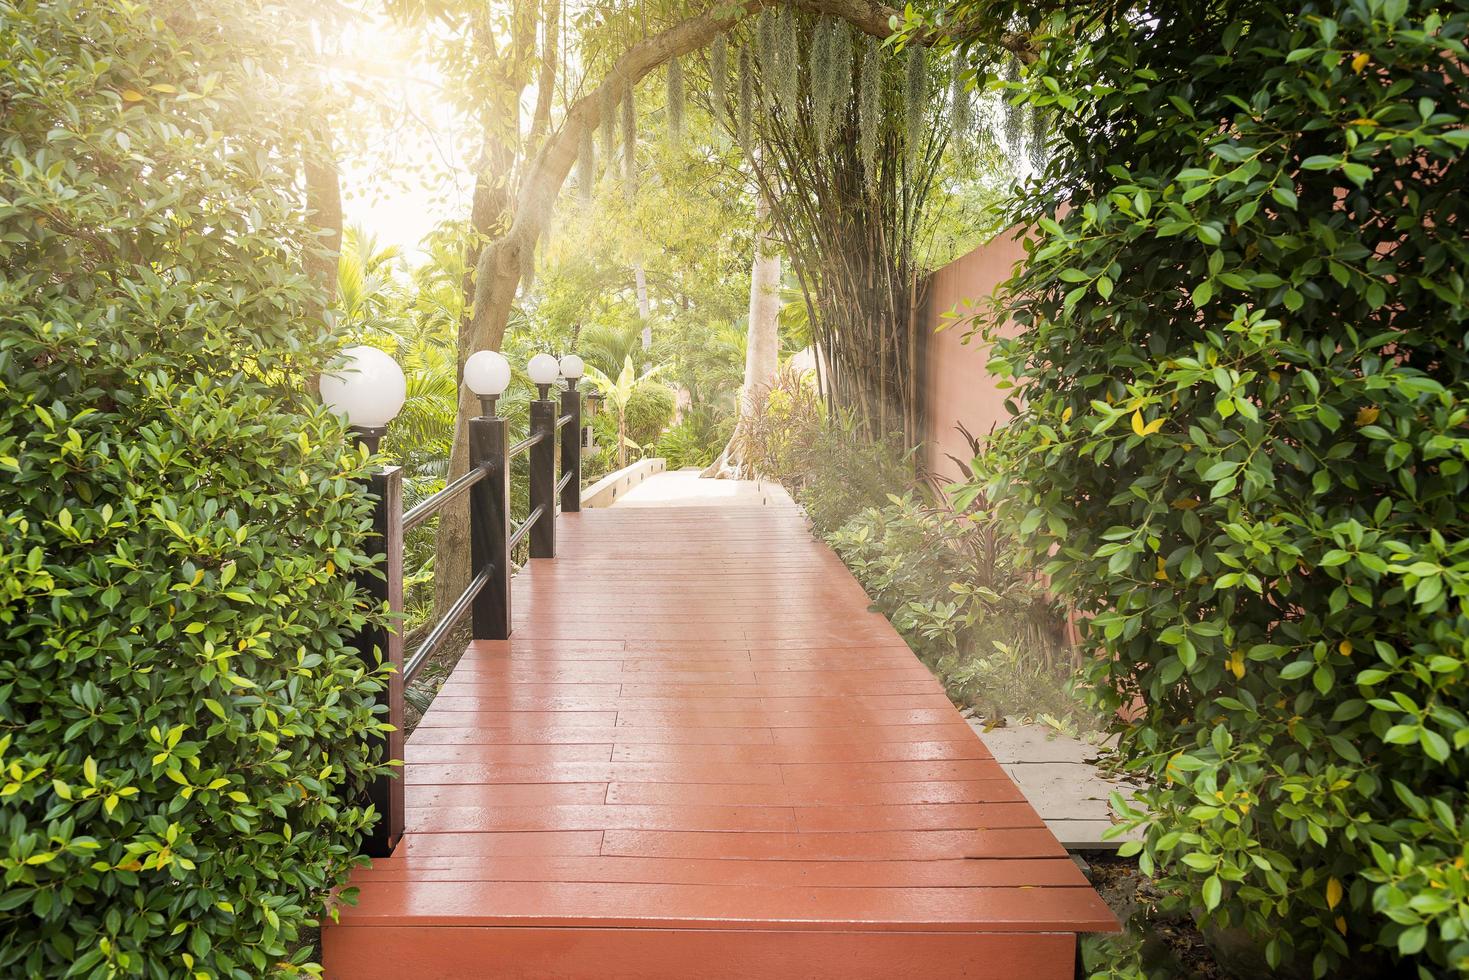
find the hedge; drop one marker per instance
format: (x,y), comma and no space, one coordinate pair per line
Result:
(1244,418)
(182,728)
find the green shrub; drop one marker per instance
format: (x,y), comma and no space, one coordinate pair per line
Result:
(649,411)
(949,583)
(1243,439)
(827,461)
(696,441)
(182,730)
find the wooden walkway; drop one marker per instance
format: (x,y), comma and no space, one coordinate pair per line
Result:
(701,756)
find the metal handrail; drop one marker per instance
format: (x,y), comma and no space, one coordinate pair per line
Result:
(426,508)
(525,444)
(442,627)
(525,526)
(492,539)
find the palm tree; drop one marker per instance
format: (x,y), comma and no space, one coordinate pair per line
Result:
(618,395)
(606,347)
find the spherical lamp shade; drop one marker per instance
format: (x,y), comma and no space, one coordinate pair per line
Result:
(572,366)
(543,369)
(487,373)
(367,387)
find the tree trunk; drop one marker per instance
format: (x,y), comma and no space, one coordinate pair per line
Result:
(762,340)
(645,311)
(324,203)
(762,337)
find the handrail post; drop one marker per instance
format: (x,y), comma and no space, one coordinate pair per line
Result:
(543,476)
(571,448)
(379,643)
(489,525)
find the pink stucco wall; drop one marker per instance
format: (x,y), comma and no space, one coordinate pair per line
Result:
(955,388)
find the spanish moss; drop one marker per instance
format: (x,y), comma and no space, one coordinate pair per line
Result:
(960,106)
(788,60)
(629,145)
(821,88)
(1039,131)
(609,124)
(841,69)
(765,45)
(915,97)
(586,164)
(869,110)
(675,102)
(747,99)
(718,77)
(1014,116)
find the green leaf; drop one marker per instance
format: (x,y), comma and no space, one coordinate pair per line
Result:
(1212,892)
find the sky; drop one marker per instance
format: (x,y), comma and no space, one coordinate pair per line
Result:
(403,170)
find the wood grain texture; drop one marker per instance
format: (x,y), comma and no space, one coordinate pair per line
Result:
(701,754)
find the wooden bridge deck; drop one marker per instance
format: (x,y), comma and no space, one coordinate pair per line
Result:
(700,755)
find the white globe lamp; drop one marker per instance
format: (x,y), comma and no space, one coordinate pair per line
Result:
(487,374)
(543,370)
(572,368)
(366,386)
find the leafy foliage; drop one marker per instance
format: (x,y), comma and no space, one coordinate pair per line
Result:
(825,459)
(950,583)
(182,727)
(1242,438)
(695,440)
(649,412)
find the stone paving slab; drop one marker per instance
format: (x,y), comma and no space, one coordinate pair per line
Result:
(1060,778)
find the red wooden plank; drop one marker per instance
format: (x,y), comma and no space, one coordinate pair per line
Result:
(479,819)
(508,794)
(565,734)
(454,953)
(1036,872)
(999,790)
(642,906)
(931,845)
(588,772)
